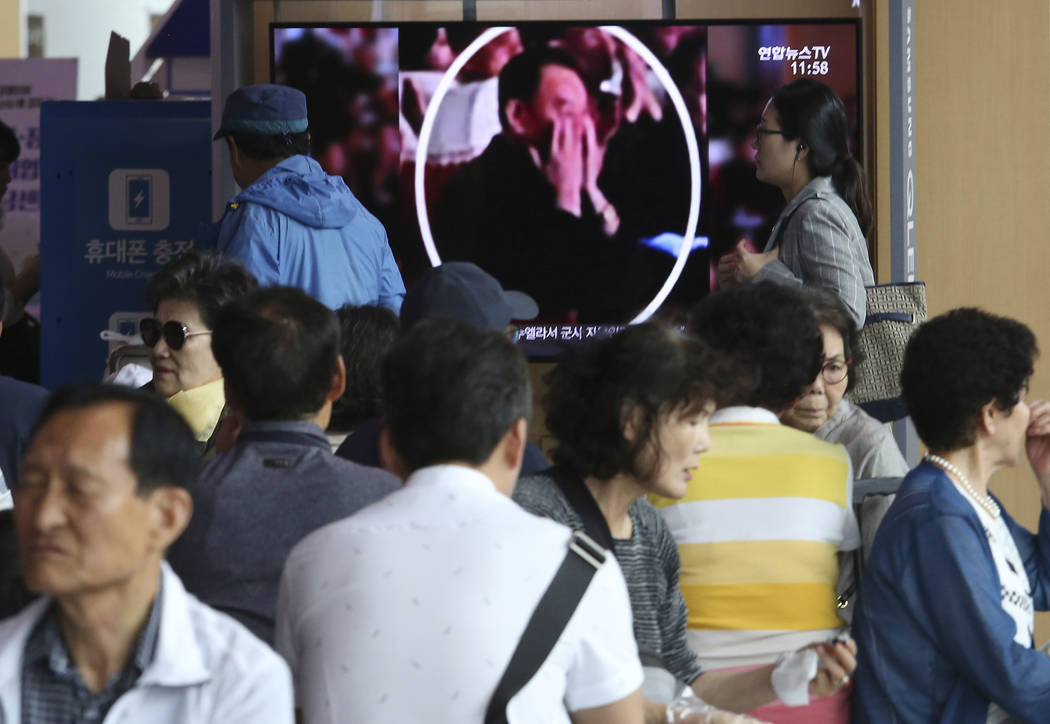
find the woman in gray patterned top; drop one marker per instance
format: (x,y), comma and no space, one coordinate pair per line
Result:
(630,415)
(802,147)
(825,412)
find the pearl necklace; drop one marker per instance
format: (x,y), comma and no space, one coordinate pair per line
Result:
(983,500)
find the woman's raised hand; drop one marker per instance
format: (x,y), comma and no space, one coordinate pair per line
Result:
(1037,445)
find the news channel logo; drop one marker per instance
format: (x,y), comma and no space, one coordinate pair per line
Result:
(139,199)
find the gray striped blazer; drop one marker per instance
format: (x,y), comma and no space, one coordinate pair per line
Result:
(822,245)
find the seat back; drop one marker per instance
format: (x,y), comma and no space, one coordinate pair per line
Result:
(871,499)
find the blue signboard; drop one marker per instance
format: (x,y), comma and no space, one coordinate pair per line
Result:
(125,186)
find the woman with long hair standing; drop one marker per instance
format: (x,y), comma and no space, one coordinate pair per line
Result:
(802,146)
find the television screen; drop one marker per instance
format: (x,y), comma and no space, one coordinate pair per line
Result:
(602,169)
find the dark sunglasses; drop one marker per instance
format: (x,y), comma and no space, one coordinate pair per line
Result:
(174,333)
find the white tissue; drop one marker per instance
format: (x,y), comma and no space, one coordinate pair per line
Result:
(791,677)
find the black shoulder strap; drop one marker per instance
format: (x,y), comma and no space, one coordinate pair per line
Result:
(581,500)
(552,613)
(782,224)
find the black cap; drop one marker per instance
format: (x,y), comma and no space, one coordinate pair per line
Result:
(462,290)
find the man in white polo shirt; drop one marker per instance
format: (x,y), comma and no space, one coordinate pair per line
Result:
(410,610)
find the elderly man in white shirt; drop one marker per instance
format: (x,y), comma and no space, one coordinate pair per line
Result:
(116,637)
(410,609)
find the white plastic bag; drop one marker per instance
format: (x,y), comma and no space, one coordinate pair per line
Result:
(688,708)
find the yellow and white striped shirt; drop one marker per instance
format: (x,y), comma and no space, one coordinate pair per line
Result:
(758,534)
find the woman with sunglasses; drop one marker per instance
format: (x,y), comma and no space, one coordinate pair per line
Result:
(824,411)
(630,415)
(802,147)
(186,296)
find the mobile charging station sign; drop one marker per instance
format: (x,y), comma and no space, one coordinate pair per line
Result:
(139,198)
(114,211)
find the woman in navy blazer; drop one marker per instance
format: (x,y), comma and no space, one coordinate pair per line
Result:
(944,624)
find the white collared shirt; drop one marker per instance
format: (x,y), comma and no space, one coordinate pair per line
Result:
(207,669)
(744,413)
(409,611)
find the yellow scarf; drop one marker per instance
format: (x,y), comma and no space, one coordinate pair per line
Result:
(201,407)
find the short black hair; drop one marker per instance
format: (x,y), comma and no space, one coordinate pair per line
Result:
(829,310)
(206,278)
(452,392)
(520,77)
(163,448)
(768,335)
(278,348)
(10,148)
(267,147)
(958,362)
(654,368)
(367,333)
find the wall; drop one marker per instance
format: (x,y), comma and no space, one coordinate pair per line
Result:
(12,28)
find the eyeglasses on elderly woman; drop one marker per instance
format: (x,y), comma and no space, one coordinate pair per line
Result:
(834,371)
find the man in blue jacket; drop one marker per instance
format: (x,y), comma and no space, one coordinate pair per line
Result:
(293,224)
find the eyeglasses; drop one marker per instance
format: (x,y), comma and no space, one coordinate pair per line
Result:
(175,333)
(763,131)
(835,370)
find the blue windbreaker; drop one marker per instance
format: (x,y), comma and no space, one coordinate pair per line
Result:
(297,226)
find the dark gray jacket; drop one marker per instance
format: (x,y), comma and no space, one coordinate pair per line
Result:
(254,503)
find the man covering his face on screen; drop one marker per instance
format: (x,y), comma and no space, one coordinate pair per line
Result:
(529,210)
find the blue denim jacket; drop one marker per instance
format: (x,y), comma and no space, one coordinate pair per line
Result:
(934,642)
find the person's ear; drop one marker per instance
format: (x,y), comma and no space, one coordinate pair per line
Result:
(518,116)
(235,153)
(631,420)
(514,443)
(231,399)
(389,459)
(338,381)
(990,415)
(171,508)
(228,430)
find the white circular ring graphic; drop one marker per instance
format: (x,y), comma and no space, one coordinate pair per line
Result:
(676,99)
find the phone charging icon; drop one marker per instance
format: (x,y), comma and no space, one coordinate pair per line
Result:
(140,200)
